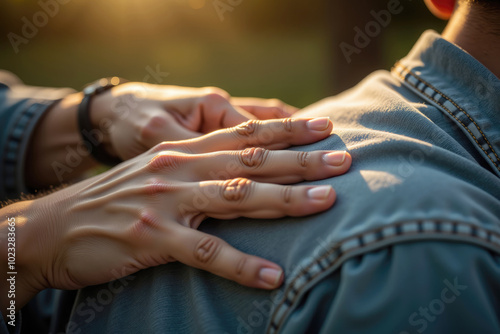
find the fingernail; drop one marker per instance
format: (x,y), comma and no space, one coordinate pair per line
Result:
(319,193)
(318,124)
(270,275)
(334,158)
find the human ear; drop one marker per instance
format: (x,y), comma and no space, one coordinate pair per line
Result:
(441,8)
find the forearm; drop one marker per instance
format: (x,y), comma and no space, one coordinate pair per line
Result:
(57,152)
(17,254)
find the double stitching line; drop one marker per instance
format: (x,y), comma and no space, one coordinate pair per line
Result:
(275,326)
(404,68)
(473,231)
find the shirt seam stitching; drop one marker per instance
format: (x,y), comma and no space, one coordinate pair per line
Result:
(449,112)
(274,328)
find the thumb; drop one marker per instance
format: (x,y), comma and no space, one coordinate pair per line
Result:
(216,113)
(161,126)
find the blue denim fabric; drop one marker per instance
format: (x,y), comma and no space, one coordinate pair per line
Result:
(21,107)
(412,244)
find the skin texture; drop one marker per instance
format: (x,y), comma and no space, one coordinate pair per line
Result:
(130,119)
(145,211)
(473,27)
(130,217)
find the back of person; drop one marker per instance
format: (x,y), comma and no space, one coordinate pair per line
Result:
(412,245)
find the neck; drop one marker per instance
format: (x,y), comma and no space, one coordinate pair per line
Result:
(477,31)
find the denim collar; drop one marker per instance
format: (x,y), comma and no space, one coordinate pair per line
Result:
(460,86)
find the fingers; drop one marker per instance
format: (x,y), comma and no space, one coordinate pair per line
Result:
(210,253)
(271,134)
(264,108)
(242,197)
(267,166)
(218,113)
(159,126)
(209,112)
(261,112)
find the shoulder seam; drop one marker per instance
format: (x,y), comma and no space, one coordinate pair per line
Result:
(403,72)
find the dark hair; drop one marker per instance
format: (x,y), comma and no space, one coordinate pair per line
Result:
(488,17)
(485,3)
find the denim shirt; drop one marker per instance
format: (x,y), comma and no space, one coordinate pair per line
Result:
(21,108)
(412,244)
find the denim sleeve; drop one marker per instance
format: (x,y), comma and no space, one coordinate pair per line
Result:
(415,215)
(21,108)
(446,287)
(4,329)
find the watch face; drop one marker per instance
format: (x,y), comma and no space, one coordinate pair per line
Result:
(102,84)
(89,90)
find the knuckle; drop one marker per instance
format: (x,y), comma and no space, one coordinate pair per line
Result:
(240,267)
(247,128)
(303,159)
(207,249)
(287,124)
(286,194)
(163,146)
(236,189)
(217,92)
(165,160)
(242,272)
(214,98)
(254,156)
(147,223)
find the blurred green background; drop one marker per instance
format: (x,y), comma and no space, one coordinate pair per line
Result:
(282,48)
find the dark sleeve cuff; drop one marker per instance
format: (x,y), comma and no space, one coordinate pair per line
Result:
(21,107)
(9,329)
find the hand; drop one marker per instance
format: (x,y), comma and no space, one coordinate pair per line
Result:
(129,120)
(143,115)
(264,108)
(144,212)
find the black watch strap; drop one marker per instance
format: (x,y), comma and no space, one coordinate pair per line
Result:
(91,141)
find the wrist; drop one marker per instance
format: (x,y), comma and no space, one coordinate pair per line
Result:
(95,118)
(102,117)
(20,254)
(56,153)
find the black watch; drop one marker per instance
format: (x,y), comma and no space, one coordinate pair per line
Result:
(85,125)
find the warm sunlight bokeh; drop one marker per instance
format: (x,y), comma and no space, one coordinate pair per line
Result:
(280,48)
